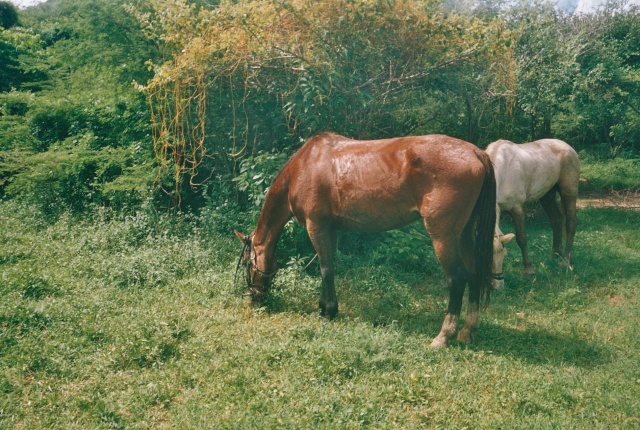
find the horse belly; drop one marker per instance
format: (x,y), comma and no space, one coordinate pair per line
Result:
(372,193)
(525,178)
(375,212)
(540,181)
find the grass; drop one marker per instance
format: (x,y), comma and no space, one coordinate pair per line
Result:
(609,173)
(134,322)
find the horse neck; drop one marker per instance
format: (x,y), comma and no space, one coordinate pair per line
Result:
(273,217)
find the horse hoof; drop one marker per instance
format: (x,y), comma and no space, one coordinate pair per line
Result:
(566,264)
(465,336)
(251,303)
(528,271)
(497,285)
(439,342)
(329,312)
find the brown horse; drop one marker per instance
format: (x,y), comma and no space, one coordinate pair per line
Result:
(335,183)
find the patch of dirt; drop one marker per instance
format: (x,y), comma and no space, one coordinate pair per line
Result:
(626,199)
(615,300)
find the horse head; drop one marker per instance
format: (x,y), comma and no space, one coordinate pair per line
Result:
(258,281)
(499,253)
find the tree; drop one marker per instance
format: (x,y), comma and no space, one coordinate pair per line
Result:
(8,15)
(607,90)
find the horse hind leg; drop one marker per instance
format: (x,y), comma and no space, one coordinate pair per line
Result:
(456,276)
(550,206)
(571,223)
(517,214)
(456,282)
(472,319)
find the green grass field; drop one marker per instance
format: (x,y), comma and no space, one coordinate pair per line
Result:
(134,322)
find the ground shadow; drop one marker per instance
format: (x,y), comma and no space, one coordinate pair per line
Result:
(533,345)
(539,346)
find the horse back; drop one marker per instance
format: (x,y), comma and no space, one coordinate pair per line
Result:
(525,172)
(378,185)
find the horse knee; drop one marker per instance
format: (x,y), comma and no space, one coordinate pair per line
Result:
(528,271)
(458,278)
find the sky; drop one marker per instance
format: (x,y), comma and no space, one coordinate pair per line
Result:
(25,3)
(589,5)
(580,5)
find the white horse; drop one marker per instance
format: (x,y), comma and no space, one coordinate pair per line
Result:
(537,171)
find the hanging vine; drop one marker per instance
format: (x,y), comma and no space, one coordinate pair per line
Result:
(329,64)
(207,47)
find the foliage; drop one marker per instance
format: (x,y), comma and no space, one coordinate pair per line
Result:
(607,96)
(603,174)
(62,179)
(8,15)
(74,127)
(252,73)
(20,54)
(244,77)
(225,82)
(546,53)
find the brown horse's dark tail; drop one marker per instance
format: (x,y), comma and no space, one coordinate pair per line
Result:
(484,218)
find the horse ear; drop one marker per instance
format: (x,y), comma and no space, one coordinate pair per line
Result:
(241,236)
(507,237)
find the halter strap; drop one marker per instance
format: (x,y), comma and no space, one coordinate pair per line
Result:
(267,275)
(498,276)
(252,289)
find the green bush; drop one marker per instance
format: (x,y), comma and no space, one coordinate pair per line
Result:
(236,203)
(60,180)
(15,103)
(54,123)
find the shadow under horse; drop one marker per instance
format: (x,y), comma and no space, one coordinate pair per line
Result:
(334,183)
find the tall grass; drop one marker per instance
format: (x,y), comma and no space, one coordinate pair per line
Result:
(133,322)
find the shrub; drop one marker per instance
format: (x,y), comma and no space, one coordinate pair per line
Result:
(70,179)
(51,124)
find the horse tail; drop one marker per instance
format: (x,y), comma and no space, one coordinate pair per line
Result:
(484,218)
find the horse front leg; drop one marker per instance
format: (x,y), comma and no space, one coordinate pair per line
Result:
(323,239)
(517,214)
(550,206)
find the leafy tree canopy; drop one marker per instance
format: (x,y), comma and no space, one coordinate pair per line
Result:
(8,15)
